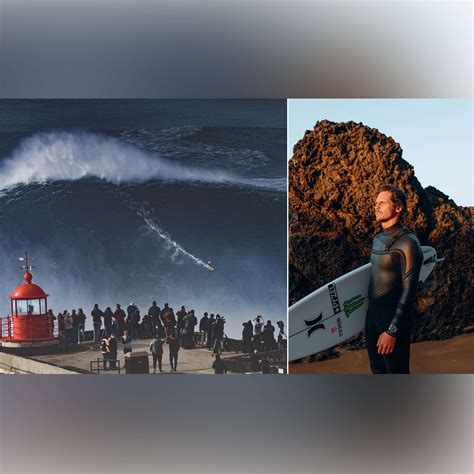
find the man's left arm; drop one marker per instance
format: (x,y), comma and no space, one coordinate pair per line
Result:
(411,259)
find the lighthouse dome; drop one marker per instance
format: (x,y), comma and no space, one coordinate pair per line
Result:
(28,290)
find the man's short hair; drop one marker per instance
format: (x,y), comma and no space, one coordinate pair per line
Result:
(398,196)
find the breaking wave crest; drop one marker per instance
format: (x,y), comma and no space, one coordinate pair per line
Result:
(57,156)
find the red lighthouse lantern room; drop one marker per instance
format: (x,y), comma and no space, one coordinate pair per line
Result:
(30,324)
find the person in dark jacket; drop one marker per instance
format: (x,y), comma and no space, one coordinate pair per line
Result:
(75,327)
(119,315)
(219,366)
(173,344)
(97,315)
(108,315)
(281,334)
(203,325)
(112,346)
(218,334)
(247,334)
(104,349)
(82,325)
(169,320)
(189,322)
(51,319)
(156,349)
(210,331)
(265,366)
(164,311)
(127,342)
(180,319)
(146,327)
(129,321)
(136,323)
(154,312)
(268,336)
(61,332)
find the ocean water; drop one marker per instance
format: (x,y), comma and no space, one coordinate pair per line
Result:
(129,200)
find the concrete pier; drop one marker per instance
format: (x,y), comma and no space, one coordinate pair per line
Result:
(77,360)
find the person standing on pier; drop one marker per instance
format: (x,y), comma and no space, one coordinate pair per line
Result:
(97,315)
(173,343)
(119,316)
(219,366)
(203,328)
(108,315)
(82,325)
(154,312)
(112,346)
(127,342)
(156,349)
(68,327)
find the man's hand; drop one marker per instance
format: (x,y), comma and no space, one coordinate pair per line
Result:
(386,344)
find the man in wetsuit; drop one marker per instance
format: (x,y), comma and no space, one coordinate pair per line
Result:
(396,259)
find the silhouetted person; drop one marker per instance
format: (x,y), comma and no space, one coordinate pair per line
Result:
(268,336)
(180,319)
(127,342)
(281,334)
(265,366)
(247,334)
(154,312)
(203,327)
(97,315)
(210,329)
(75,327)
(169,320)
(156,349)
(219,366)
(68,327)
(173,344)
(108,315)
(189,322)
(112,344)
(51,319)
(82,325)
(119,315)
(255,362)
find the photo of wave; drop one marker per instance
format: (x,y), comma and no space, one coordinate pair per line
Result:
(139,200)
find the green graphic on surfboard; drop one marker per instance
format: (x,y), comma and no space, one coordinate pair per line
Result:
(353,304)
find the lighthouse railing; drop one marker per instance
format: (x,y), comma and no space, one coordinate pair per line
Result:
(6,328)
(36,329)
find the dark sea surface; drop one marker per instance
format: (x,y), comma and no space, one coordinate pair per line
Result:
(128,200)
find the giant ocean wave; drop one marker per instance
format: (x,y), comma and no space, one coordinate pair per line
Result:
(70,156)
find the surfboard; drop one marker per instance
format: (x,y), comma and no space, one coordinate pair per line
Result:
(336,311)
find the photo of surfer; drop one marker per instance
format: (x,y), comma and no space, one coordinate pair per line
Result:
(151,227)
(380,250)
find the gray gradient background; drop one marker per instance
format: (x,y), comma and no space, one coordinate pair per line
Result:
(322,424)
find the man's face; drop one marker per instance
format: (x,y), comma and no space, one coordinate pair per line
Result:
(385,209)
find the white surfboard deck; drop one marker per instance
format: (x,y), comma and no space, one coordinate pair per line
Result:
(336,311)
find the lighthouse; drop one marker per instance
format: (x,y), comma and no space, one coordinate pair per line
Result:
(29,326)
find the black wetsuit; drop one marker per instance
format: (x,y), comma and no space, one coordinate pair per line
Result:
(396,262)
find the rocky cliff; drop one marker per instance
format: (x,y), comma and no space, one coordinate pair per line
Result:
(334,176)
